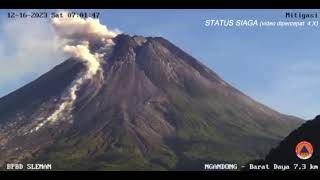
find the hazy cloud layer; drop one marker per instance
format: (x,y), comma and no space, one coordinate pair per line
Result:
(28,47)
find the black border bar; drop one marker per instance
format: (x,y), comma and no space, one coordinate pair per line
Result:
(160,4)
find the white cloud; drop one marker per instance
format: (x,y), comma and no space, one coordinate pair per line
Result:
(28,47)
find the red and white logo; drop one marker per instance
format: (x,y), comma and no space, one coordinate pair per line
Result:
(304,150)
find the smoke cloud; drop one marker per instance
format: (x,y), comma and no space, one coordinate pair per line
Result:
(82,29)
(83,53)
(79,35)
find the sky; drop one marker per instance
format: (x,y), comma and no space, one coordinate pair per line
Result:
(277,66)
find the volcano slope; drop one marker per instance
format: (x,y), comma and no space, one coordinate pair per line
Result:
(151,107)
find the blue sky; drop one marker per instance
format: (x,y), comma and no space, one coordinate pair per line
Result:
(278,67)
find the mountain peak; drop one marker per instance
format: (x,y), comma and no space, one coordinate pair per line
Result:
(126,38)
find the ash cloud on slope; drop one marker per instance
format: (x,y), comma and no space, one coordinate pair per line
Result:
(79,34)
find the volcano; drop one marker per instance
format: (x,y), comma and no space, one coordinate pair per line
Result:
(150,107)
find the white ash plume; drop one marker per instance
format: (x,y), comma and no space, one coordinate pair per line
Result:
(79,34)
(82,52)
(80,29)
